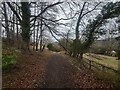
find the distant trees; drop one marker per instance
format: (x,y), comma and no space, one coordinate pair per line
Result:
(118,38)
(66,43)
(30,20)
(26,21)
(6,23)
(110,10)
(53,47)
(76,45)
(92,30)
(50,46)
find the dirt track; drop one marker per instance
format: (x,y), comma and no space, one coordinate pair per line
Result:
(58,73)
(61,74)
(50,70)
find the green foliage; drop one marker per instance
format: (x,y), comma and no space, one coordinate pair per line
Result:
(76,47)
(92,32)
(99,50)
(9,56)
(53,48)
(111,10)
(56,50)
(7,61)
(50,46)
(118,54)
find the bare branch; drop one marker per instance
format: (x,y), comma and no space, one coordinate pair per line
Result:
(63,11)
(15,12)
(51,31)
(90,10)
(45,10)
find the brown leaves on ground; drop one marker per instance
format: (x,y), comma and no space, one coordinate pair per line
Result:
(49,70)
(29,69)
(84,79)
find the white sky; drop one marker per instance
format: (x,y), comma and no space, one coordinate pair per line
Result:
(63,0)
(92,15)
(66,8)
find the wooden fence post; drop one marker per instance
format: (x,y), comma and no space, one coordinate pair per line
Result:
(103,68)
(90,64)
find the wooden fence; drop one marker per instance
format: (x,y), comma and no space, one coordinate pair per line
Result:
(92,64)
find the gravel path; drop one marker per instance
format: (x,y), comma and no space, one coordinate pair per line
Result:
(49,71)
(61,74)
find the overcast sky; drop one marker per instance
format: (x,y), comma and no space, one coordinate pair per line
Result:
(92,15)
(90,5)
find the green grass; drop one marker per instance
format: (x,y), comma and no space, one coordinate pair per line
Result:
(109,61)
(103,59)
(106,76)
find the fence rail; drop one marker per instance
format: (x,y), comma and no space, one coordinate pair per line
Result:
(96,65)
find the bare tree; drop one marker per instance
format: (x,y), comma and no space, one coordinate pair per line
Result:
(6,23)
(25,21)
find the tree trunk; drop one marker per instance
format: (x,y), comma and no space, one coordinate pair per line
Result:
(37,40)
(81,56)
(25,25)
(41,41)
(25,46)
(13,31)
(41,30)
(76,46)
(34,39)
(43,48)
(17,35)
(6,24)
(18,41)
(34,29)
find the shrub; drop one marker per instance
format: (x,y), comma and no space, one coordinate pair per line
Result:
(53,48)
(50,46)
(99,50)
(9,56)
